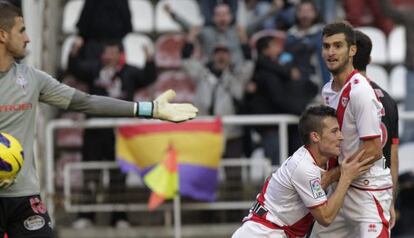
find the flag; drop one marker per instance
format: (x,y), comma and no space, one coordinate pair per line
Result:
(163,179)
(197,146)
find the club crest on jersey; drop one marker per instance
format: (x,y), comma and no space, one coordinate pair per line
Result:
(22,82)
(316,188)
(344,101)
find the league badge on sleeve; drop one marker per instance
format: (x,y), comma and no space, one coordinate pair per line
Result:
(316,188)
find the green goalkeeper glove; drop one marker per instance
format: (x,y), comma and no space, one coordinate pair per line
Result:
(162,109)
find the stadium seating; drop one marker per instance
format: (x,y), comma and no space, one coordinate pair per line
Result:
(406,152)
(178,81)
(142,13)
(71,13)
(397,45)
(188,9)
(64,54)
(168,50)
(397,82)
(379,75)
(379,44)
(134,48)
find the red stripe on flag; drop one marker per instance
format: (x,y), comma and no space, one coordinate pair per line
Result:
(139,129)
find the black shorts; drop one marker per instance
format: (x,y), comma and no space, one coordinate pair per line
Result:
(24,217)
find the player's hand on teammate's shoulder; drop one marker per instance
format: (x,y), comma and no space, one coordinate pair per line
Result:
(354,166)
(175,112)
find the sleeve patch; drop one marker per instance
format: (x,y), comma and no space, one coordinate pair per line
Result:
(316,188)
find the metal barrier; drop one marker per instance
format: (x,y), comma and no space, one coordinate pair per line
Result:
(278,120)
(109,207)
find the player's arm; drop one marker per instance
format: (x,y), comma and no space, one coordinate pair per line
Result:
(394,175)
(373,148)
(350,169)
(366,108)
(160,108)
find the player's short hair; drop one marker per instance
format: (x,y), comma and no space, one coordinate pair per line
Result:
(363,54)
(338,28)
(7,14)
(312,121)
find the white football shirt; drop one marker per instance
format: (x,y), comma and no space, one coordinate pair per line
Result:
(359,116)
(292,190)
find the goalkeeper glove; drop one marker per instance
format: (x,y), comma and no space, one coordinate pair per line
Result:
(162,109)
(5,183)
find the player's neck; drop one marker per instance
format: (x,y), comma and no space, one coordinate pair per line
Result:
(340,78)
(6,61)
(319,158)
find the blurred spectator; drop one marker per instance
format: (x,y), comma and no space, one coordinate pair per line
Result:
(100,21)
(208,8)
(404,225)
(220,85)
(365,13)
(110,76)
(259,15)
(222,31)
(276,89)
(17,3)
(304,44)
(405,17)
(328,9)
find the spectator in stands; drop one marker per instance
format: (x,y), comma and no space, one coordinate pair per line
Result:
(406,19)
(367,12)
(109,77)
(276,89)
(220,85)
(207,8)
(17,3)
(100,21)
(304,44)
(222,31)
(328,9)
(259,15)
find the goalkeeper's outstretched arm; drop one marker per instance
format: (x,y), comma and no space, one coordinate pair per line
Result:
(161,108)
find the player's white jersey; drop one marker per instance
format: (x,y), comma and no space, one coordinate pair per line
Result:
(291,191)
(359,116)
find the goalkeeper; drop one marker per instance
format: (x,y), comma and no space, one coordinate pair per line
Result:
(22,213)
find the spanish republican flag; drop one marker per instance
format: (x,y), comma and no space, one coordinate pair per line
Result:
(196,145)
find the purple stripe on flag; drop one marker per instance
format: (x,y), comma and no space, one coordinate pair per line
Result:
(198,182)
(129,167)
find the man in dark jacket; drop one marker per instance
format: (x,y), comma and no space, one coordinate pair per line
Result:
(276,89)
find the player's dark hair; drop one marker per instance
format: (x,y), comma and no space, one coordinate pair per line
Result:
(338,28)
(312,121)
(364,47)
(263,43)
(7,14)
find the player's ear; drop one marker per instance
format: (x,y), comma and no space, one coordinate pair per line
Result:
(314,137)
(4,35)
(352,50)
